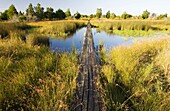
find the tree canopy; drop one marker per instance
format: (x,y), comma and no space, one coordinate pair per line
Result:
(98,12)
(145,14)
(68,13)
(112,15)
(60,14)
(4,15)
(11,11)
(161,16)
(108,14)
(77,15)
(39,11)
(30,10)
(49,13)
(126,15)
(34,13)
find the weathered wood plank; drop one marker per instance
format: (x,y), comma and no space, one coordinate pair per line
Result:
(87,97)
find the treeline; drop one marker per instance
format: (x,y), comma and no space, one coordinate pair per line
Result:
(145,15)
(37,13)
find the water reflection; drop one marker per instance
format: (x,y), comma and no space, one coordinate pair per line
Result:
(76,40)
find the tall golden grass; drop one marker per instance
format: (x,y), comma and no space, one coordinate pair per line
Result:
(137,77)
(33,78)
(57,28)
(133,27)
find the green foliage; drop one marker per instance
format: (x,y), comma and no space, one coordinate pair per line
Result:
(4,15)
(30,10)
(108,14)
(145,14)
(112,15)
(11,11)
(98,12)
(92,15)
(77,15)
(68,13)
(39,11)
(49,13)
(21,16)
(125,15)
(60,14)
(163,16)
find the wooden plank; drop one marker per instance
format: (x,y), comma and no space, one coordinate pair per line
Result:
(87,97)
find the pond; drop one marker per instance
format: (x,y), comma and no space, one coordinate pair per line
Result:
(76,40)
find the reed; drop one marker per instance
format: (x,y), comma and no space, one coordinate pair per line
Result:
(137,77)
(6,28)
(57,28)
(33,78)
(133,27)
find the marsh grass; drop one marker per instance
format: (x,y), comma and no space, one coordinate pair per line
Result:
(35,39)
(133,27)
(33,78)
(18,28)
(57,28)
(137,77)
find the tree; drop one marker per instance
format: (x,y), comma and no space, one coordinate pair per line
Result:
(4,16)
(92,16)
(126,15)
(145,14)
(39,11)
(30,10)
(77,15)
(68,13)
(11,11)
(60,14)
(21,16)
(49,13)
(112,15)
(108,14)
(98,12)
(153,15)
(161,16)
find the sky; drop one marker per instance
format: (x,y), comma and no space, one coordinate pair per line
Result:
(134,7)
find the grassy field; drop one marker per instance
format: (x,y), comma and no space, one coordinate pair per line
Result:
(137,77)
(133,27)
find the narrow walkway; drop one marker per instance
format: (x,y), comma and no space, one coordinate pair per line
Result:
(87,97)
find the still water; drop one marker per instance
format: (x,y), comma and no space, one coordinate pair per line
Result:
(76,40)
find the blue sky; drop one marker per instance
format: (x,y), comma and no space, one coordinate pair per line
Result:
(134,7)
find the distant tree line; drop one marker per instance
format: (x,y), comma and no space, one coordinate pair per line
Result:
(37,13)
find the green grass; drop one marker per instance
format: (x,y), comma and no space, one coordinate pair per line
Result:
(137,77)
(33,78)
(133,27)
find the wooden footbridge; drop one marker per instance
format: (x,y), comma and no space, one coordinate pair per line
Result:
(87,96)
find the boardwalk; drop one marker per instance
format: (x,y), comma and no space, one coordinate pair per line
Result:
(87,97)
